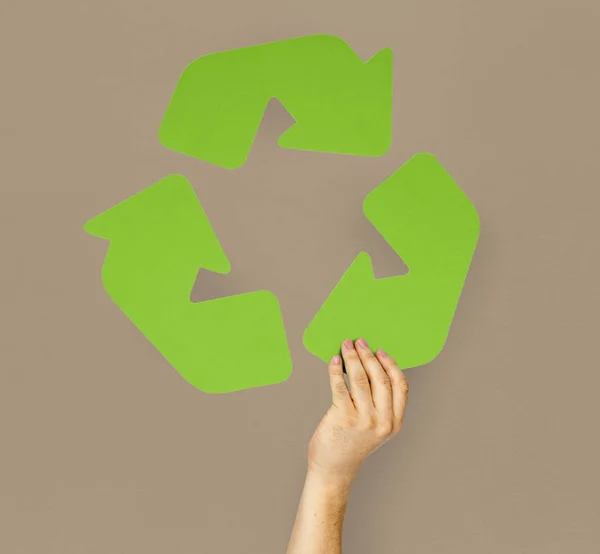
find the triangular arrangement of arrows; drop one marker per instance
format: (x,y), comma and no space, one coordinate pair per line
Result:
(160,237)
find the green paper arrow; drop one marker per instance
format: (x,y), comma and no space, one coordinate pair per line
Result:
(340,104)
(159,239)
(433,226)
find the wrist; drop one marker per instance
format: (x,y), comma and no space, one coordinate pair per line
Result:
(329,479)
(328,491)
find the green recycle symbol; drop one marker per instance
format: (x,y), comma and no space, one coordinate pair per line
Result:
(161,237)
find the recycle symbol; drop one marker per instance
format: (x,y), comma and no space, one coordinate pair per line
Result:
(160,237)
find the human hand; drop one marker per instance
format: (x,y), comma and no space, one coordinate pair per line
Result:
(362,417)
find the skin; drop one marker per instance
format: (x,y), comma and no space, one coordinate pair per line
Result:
(362,417)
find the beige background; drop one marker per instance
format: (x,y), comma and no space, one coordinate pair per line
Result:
(105,449)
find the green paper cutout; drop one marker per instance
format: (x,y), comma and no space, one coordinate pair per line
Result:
(340,104)
(432,225)
(159,239)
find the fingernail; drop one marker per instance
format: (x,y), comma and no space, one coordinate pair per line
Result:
(383,352)
(348,344)
(336,360)
(363,343)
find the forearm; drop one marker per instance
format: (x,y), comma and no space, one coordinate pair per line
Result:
(360,419)
(320,518)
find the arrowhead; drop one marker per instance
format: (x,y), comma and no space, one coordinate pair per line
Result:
(144,213)
(96,228)
(356,118)
(336,320)
(104,225)
(164,219)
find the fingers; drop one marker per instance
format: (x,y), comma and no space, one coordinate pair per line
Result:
(399,388)
(360,389)
(339,391)
(381,387)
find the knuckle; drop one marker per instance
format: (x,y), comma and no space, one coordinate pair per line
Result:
(336,374)
(395,373)
(369,422)
(392,366)
(362,379)
(368,354)
(385,428)
(383,379)
(351,354)
(341,389)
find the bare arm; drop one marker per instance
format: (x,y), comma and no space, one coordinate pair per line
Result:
(360,419)
(318,527)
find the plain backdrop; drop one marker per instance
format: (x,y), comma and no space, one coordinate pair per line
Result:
(105,449)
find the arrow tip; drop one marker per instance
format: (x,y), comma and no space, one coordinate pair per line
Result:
(354,117)
(96,227)
(169,199)
(381,63)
